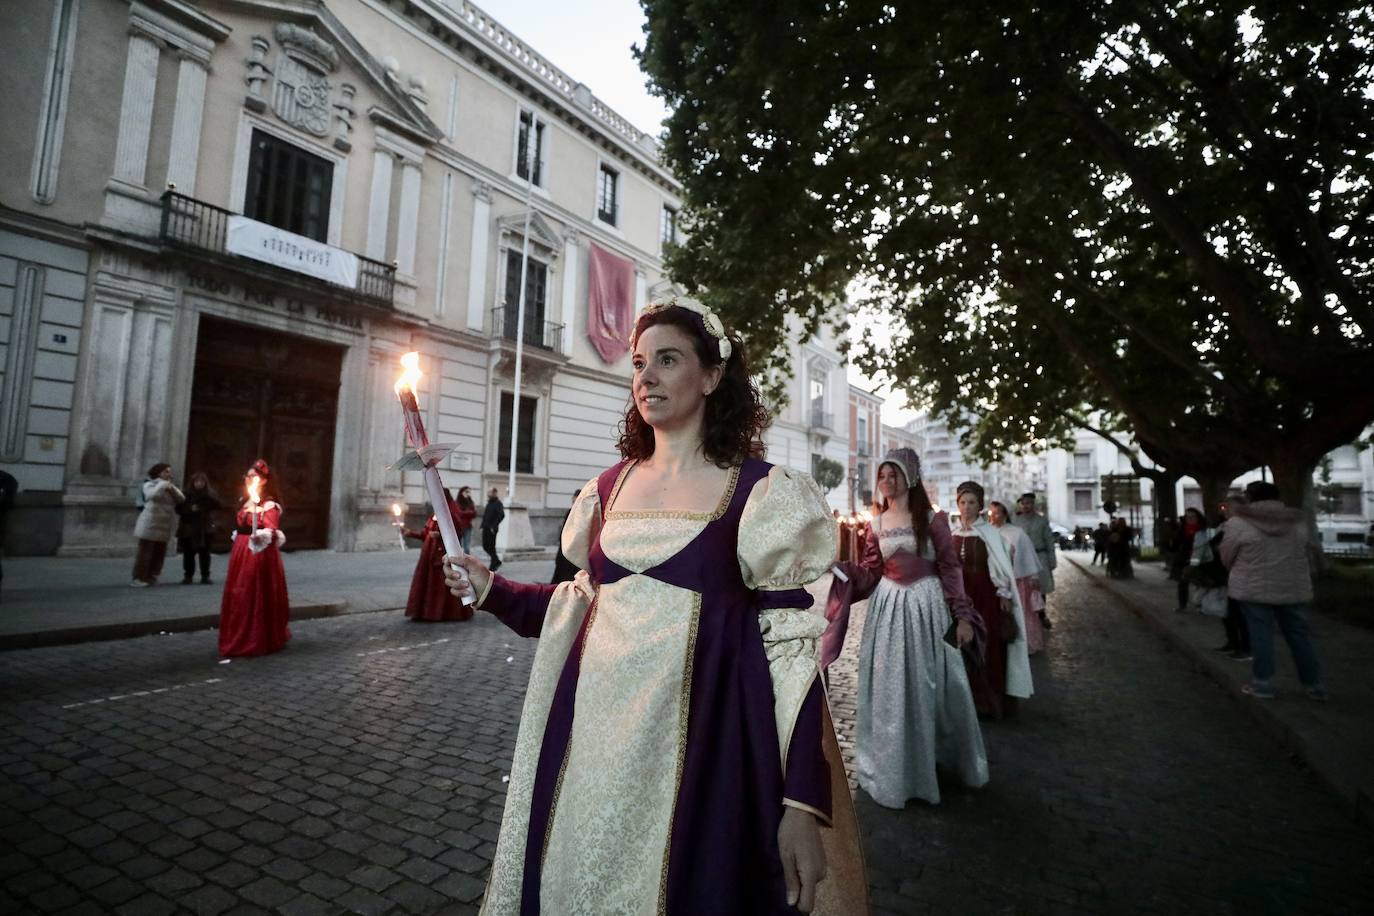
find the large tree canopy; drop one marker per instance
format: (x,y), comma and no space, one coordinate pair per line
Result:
(1159,208)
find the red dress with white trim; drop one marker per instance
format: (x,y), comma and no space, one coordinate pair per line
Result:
(255,608)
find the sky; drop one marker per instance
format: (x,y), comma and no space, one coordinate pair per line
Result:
(590,40)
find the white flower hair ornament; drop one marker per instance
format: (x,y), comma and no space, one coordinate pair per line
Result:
(709,320)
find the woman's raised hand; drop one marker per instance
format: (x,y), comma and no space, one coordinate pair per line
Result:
(477,576)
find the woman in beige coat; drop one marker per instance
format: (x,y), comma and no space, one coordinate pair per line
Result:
(155,524)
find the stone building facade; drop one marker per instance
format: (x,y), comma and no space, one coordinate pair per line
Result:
(223,221)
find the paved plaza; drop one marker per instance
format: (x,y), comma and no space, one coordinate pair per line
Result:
(362,770)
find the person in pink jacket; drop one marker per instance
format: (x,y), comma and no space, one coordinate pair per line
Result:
(1267,547)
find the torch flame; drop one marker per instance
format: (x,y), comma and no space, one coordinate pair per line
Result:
(410,377)
(254,488)
(396,509)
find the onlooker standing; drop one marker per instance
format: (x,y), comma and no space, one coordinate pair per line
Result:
(1267,548)
(492,517)
(156,522)
(1037,528)
(467,511)
(1100,543)
(196,528)
(1181,549)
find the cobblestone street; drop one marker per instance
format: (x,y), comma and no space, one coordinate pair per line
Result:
(361,770)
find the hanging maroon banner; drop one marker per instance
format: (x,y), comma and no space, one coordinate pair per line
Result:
(610,303)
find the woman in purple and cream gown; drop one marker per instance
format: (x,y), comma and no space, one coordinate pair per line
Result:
(675,752)
(914,708)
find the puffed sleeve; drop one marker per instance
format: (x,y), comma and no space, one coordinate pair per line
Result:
(533,609)
(787,540)
(582,526)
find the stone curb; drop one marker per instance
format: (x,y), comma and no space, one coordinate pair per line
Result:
(135,628)
(1357,799)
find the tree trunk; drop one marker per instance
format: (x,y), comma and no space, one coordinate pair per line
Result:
(1293,477)
(1215,488)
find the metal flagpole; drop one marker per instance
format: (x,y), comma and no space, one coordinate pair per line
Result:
(520,317)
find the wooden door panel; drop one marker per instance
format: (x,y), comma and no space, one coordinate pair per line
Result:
(265,394)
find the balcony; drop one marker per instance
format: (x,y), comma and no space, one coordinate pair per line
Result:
(545,335)
(219,235)
(821,421)
(862,450)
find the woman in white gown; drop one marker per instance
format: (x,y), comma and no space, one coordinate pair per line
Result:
(915,708)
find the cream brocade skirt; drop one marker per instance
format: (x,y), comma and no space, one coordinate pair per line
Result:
(606,849)
(915,708)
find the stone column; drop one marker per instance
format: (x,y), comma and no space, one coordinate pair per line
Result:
(136,109)
(570,303)
(186,120)
(477,256)
(408,218)
(379,205)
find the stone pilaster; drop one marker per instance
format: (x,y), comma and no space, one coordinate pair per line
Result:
(186,121)
(379,205)
(136,109)
(408,218)
(477,258)
(570,265)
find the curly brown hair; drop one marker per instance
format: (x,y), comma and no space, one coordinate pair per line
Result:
(735,416)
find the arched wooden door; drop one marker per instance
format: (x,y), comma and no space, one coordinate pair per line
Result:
(261,393)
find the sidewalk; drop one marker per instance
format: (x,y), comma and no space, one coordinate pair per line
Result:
(55,600)
(1335,739)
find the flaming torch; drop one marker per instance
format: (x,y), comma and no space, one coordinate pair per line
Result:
(428,456)
(254,488)
(396,512)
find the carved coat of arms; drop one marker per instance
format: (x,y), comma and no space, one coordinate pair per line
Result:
(300,91)
(300,96)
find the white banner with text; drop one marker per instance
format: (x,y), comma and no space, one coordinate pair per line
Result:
(261,242)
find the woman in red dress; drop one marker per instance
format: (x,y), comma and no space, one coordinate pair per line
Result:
(254,611)
(1004,676)
(430,598)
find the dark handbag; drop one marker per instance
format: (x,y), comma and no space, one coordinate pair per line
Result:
(1007,629)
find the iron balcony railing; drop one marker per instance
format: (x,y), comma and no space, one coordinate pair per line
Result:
(820,419)
(546,335)
(861,450)
(195,224)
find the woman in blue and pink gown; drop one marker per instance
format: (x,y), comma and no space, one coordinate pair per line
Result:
(255,607)
(675,752)
(914,709)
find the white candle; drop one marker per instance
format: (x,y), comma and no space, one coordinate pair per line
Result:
(415,432)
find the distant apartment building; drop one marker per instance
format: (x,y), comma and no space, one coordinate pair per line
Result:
(815,422)
(865,445)
(945,467)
